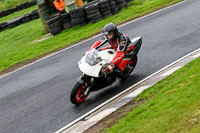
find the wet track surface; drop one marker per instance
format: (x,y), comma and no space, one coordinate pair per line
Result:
(36,98)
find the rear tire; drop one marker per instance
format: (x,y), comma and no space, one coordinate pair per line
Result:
(77,94)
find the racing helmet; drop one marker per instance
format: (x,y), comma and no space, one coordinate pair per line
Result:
(110,29)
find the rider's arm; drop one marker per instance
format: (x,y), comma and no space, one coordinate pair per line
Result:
(99,43)
(118,57)
(107,47)
(120,50)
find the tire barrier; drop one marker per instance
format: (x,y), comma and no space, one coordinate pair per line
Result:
(89,1)
(34,14)
(91,12)
(78,16)
(55,25)
(14,22)
(104,8)
(17,8)
(113,7)
(121,4)
(3,26)
(66,21)
(20,20)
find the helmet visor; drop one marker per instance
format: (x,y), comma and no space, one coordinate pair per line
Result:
(109,35)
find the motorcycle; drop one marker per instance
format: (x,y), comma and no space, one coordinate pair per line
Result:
(92,66)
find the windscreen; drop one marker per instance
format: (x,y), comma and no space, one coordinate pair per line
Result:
(92,58)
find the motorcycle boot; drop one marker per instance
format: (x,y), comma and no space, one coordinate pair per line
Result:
(110,78)
(122,74)
(118,72)
(127,70)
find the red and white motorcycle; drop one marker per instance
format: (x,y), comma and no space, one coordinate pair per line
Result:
(92,66)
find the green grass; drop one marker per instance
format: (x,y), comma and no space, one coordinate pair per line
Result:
(18,14)
(5,4)
(16,46)
(171,106)
(15,43)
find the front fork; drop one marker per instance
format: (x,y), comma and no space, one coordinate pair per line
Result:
(87,81)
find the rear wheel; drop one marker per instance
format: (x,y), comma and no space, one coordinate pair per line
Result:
(79,93)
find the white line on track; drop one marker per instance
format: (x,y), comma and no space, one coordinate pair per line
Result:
(170,71)
(138,91)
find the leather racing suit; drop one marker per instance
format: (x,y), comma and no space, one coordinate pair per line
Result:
(122,45)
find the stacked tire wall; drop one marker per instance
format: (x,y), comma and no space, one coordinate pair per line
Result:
(78,16)
(121,4)
(20,20)
(113,7)
(55,25)
(66,21)
(91,12)
(17,8)
(104,8)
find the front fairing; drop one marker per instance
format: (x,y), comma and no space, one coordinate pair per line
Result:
(92,63)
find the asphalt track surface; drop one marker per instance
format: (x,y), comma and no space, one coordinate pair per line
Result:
(35,99)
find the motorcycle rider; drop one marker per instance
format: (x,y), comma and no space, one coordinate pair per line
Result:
(121,43)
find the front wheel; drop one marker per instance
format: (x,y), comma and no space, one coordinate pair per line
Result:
(79,93)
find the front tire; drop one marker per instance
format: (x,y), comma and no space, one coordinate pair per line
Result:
(78,93)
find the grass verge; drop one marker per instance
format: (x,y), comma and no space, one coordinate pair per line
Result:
(18,14)
(171,106)
(16,47)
